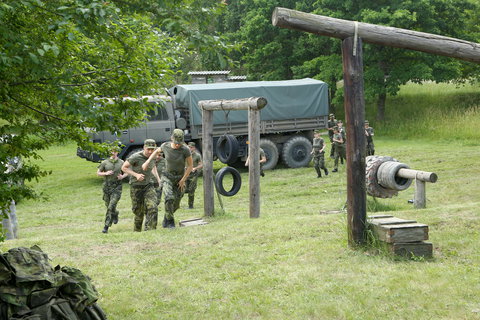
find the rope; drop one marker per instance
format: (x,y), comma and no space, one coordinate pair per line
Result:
(355,39)
(227,123)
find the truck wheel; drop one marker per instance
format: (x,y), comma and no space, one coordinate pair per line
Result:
(296,152)
(134,150)
(237,181)
(227,149)
(271,152)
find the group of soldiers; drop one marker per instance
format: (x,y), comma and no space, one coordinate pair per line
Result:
(171,170)
(337,136)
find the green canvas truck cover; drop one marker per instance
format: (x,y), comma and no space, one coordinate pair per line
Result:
(288,99)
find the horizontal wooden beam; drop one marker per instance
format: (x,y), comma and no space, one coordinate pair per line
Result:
(382,35)
(255,103)
(419,175)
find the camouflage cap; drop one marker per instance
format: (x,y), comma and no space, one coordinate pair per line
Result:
(177,136)
(191,144)
(366,122)
(331,115)
(150,144)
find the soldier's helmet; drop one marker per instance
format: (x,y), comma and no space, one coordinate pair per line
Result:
(150,144)
(177,136)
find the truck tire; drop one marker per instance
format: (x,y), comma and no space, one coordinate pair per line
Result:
(271,152)
(237,181)
(374,189)
(387,176)
(227,149)
(131,152)
(296,152)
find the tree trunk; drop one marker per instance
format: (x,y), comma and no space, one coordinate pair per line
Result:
(381,106)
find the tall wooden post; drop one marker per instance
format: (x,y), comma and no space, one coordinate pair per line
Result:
(355,119)
(207,150)
(254,165)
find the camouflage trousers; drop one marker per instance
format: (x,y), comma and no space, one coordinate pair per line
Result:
(172,194)
(111,195)
(370,149)
(339,154)
(319,162)
(159,191)
(144,205)
(190,187)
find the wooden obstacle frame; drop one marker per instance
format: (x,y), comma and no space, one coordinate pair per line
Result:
(352,34)
(253,105)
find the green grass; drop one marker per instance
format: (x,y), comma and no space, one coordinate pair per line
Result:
(431,112)
(291,263)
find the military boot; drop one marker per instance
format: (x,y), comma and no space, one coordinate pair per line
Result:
(115,217)
(319,173)
(326,171)
(171,224)
(105,229)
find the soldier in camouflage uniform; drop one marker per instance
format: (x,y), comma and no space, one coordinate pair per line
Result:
(111,169)
(193,177)
(339,147)
(332,122)
(142,190)
(174,177)
(341,130)
(263,159)
(370,147)
(318,152)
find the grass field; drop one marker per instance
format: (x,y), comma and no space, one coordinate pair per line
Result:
(291,263)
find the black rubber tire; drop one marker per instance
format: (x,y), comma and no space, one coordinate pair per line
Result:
(237,181)
(227,149)
(131,152)
(296,152)
(271,153)
(374,189)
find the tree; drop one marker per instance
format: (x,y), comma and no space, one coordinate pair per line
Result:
(275,54)
(57,57)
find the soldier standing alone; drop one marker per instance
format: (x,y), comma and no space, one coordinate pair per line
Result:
(111,169)
(193,177)
(142,190)
(318,152)
(339,147)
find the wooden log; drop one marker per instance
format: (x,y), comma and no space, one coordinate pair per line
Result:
(192,222)
(420,201)
(418,175)
(355,119)
(254,163)
(234,104)
(410,249)
(207,151)
(382,35)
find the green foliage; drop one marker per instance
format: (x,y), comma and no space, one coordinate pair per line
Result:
(58,56)
(271,53)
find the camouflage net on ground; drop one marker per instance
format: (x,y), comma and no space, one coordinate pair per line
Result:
(30,289)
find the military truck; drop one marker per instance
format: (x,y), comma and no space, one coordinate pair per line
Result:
(295,109)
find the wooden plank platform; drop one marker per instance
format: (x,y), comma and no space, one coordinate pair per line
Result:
(389,220)
(405,232)
(192,222)
(410,249)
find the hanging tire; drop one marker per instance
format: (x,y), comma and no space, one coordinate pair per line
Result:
(237,181)
(296,152)
(227,149)
(271,153)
